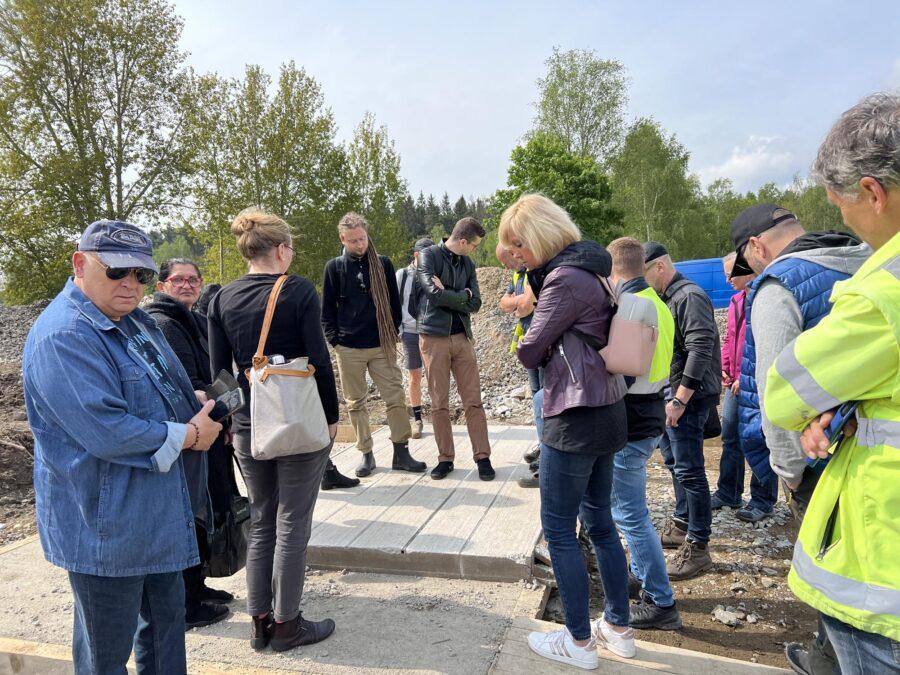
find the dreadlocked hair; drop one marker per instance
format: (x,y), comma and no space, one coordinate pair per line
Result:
(387,335)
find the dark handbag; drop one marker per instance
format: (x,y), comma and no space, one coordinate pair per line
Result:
(713,426)
(228,548)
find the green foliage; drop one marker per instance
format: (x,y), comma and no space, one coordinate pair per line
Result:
(573,181)
(92,99)
(582,101)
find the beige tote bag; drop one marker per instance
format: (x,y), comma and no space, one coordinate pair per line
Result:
(632,338)
(286,414)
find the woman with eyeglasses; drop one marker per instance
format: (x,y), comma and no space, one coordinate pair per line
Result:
(173,306)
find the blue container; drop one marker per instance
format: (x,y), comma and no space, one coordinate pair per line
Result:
(709,275)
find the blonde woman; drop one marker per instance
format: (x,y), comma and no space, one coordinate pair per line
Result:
(282,491)
(584,422)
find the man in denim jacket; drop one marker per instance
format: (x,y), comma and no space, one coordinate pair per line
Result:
(111,410)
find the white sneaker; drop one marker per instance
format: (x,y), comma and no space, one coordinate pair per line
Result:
(417,426)
(559,646)
(620,644)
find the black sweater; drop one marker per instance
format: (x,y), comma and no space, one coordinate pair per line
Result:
(185,332)
(235,322)
(348,310)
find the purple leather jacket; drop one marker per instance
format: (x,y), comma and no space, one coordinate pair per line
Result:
(570,295)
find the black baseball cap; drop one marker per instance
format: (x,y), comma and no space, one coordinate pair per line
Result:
(118,244)
(653,250)
(752,222)
(422,244)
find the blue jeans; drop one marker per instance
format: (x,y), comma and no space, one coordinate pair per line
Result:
(574,486)
(535,379)
(112,614)
(730,488)
(683,454)
(859,652)
(629,499)
(537,406)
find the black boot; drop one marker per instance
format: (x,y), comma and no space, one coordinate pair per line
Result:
(199,614)
(261,631)
(403,461)
(335,479)
(299,632)
(441,470)
(485,470)
(645,615)
(367,466)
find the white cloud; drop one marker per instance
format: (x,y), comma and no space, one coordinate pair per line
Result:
(759,160)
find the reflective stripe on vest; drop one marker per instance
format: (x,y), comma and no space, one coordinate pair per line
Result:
(872,432)
(802,380)
(849,592)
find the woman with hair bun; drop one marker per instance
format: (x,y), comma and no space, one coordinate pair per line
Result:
(282,491)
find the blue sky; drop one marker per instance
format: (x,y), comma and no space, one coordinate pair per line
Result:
(749,88)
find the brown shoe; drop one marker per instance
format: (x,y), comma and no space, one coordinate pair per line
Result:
(689,561)
(672,535)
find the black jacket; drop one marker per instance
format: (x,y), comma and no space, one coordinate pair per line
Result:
(697,357)
(457,273)
(348,311)
(186,333)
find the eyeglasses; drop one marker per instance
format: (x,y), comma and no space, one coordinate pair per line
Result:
(193,282)
(143,275)
(362,282)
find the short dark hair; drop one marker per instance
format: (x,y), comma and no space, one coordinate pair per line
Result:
(165,270)
(467,228)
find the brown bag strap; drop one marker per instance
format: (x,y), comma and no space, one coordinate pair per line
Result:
(259,358)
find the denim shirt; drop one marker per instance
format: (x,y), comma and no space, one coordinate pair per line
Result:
(110,491)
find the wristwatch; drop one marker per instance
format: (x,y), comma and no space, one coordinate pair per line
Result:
(678,403)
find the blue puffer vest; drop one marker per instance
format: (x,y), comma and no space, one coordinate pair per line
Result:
(810,283)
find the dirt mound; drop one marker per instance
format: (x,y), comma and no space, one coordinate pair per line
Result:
(16,459)
(15,322)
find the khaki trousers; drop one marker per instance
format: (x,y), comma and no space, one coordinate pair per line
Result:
(443,356)
(385,373)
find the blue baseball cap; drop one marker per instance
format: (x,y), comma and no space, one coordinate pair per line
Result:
(118,244)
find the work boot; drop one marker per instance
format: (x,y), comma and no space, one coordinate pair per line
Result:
(332,478)
(403,461)
(441,470)
(673,534)
(417,426)
(535,466)
(199,614)
(261,631)
(298,632)
(689,561)
(812,661)
(716,502)
(532,454)
(646,614)
(367,466)
(485,470)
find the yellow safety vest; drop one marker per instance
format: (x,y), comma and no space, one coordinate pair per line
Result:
(847,557)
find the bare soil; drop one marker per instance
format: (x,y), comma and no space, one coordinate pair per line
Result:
(16,460)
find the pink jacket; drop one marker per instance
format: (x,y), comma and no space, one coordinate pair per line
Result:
(733,344)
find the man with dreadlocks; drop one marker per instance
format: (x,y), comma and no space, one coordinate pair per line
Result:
(361,318)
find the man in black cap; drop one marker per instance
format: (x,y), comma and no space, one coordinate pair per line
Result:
(410,295)
(116,424)
(796,273)
(696,384)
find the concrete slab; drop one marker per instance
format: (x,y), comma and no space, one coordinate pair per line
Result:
(385,623)
(516,657)
(408,523)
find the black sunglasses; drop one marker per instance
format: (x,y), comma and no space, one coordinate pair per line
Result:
(143,275)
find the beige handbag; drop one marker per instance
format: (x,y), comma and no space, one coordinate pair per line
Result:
(633,334)
(286,414)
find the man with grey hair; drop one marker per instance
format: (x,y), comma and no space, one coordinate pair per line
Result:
(846,562)
(696,382)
